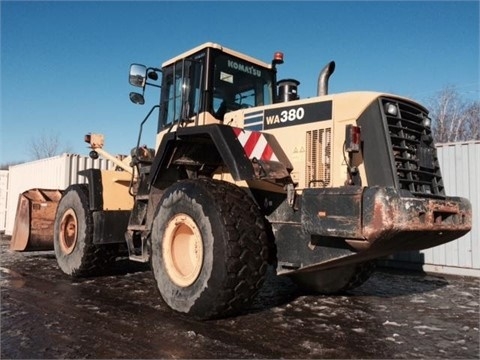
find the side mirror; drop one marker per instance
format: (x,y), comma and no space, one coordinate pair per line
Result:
(138,75)
(152,75)
(137,98)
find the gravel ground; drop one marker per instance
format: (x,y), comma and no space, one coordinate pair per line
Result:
(405,315)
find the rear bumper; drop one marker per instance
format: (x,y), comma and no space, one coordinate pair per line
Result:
(377,220)
(394,223)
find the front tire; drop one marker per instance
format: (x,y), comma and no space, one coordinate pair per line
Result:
(209,248)
(75,251)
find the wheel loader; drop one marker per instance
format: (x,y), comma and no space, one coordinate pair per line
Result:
(245,174)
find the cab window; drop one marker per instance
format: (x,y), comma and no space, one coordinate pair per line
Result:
(181,92)
(238,84)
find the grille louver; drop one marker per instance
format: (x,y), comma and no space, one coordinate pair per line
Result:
(414,153)
(318,172)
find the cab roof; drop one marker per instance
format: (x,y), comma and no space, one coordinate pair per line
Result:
(219,47)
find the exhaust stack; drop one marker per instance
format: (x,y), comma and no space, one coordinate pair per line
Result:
(323,78)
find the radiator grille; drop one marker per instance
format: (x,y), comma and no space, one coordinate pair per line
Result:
(414,153)
(318,157)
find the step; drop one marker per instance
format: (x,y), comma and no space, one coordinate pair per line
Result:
(137,227)
(139,258)
(142,197)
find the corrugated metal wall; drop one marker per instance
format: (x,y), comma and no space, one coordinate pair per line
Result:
(460,165)
(52,173)
(3,198)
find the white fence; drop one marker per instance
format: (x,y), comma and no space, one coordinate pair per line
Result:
(460,166)
(52,173)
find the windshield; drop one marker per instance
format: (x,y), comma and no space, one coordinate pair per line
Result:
(238,84)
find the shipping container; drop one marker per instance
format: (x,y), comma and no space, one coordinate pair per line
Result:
(3,198)
(57,172)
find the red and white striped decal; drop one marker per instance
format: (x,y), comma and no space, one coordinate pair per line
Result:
(255,144)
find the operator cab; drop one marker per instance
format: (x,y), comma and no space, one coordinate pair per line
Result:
(203,84)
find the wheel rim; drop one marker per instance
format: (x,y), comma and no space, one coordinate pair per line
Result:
(183,250)
(68,231)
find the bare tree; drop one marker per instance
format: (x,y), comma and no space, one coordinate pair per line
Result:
(46,145)
(473,120)
(454,118)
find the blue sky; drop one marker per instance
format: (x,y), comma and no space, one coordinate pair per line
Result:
(64,65)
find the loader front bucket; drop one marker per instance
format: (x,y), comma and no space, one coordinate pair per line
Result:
(33,228)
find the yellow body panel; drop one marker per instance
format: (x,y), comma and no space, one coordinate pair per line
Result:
(115,190)
(346,108)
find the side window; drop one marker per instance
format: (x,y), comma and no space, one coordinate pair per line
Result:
(195,73)
(181,91)
(171,101)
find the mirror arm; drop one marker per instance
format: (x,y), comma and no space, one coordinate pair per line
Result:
(143,122)
(155,70)
(154,85)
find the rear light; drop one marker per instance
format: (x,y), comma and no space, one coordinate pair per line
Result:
(352,138)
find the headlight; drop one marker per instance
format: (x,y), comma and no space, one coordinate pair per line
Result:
(426,122)
(391,109)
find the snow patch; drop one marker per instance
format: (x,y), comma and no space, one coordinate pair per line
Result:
(425,327)
(359,330)
(392,323)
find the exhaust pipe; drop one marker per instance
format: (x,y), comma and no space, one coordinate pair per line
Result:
(323,78)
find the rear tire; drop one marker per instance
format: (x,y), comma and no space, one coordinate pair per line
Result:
(335,280)
(75,251)
(209,248)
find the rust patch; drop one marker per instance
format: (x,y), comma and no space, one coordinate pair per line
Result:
(381,218)
(391,223)
(400,224)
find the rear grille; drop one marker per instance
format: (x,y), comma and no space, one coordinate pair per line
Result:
(414,153)
(318,157)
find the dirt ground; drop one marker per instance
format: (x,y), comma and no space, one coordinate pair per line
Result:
(45,314)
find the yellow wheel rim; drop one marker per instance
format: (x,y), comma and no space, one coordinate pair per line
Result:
(183,250)
(68,231)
